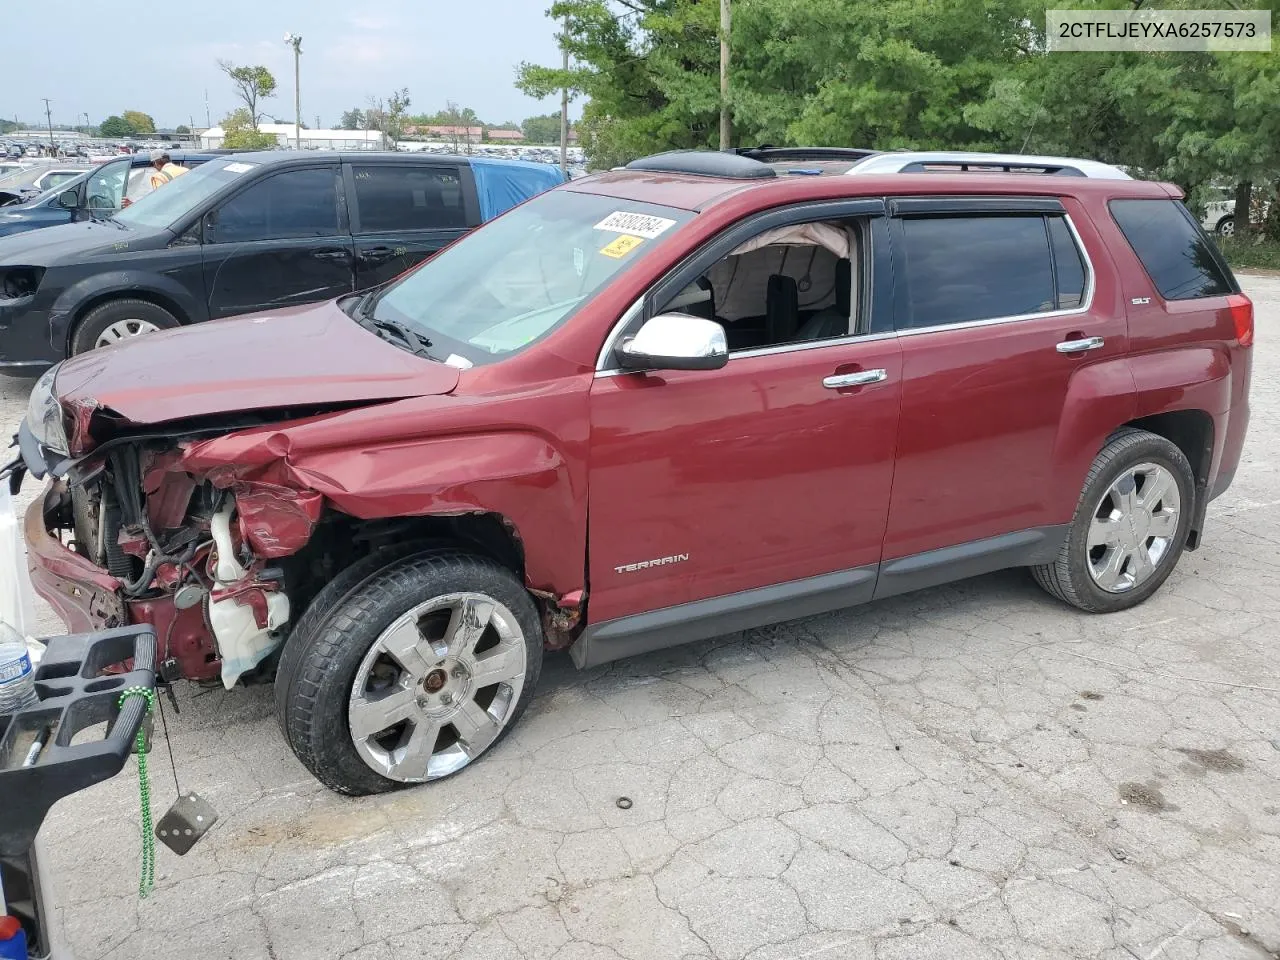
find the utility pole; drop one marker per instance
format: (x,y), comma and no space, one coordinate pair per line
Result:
(724,74)
(207,121)
(48,116)
(87,123)
(564,103)
(296,43)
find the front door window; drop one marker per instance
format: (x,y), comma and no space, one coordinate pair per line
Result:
(104,192)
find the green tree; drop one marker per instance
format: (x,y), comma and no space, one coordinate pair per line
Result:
(239,132)
(352,120)
(116,127)
(649,70)
(394,113)
(182,128)
(932,74)
(141,122)
(252,84)
(542,129)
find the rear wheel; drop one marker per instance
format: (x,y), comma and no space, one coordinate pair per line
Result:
(118,320)
(413,674)
(1226,227)
(1130,525)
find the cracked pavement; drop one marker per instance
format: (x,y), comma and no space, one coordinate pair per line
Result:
(972,771)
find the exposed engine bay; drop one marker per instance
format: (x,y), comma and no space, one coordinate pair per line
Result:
(187,554)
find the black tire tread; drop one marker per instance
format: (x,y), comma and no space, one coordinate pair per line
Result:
(311,728)
(1055,577)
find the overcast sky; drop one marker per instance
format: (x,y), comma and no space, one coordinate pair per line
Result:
(160,58)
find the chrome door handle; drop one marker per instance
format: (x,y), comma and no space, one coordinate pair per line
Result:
(1080,346)
(858,379)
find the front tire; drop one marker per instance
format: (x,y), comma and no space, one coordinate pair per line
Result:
(117,321)
(1226,227)
(413,674)
(1129,528)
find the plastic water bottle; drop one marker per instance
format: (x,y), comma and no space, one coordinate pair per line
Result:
(17,679)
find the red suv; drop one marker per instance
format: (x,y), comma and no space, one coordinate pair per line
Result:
(704,392)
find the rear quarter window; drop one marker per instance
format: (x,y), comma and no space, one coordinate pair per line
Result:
(1177,256)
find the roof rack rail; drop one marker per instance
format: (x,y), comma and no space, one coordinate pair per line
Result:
(705,163)
(948,161)
(766,152)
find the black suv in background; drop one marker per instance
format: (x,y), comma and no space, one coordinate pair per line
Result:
(241,233)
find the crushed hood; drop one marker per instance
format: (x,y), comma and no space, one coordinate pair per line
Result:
(301,356)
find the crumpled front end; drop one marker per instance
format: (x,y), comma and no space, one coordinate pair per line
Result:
(218,610)
(129,536)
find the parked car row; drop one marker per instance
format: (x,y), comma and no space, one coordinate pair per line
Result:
(704,392)
(238,233)
(26,183)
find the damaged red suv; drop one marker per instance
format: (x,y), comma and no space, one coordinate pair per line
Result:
(704,392)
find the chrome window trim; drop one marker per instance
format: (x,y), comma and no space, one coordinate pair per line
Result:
(1085,306)
(784,348)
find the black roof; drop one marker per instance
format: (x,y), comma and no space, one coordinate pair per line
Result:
(280,157)
(747,163)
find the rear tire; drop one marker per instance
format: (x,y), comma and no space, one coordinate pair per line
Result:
(412,674)
(1226,227)
(117,321)
(1130,525)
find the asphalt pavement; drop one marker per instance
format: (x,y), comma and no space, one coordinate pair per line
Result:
(972,771)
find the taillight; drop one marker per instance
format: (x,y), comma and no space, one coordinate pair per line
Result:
(1242,316)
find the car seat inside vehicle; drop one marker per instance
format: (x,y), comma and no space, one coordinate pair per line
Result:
(787,285)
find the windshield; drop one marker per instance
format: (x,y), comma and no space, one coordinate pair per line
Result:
(161,208)
(516,279)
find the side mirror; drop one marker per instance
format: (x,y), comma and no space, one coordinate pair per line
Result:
(676,341)
(69,199)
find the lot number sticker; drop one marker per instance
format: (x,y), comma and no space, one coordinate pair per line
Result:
(622,246)
(641,225)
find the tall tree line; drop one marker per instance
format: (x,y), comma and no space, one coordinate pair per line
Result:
(934,74)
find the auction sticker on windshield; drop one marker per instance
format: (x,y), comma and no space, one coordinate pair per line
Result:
(642,225)
(238,167)
(622,246)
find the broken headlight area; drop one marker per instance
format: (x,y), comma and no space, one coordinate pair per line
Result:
(18,283)
(44,414)
(194,556)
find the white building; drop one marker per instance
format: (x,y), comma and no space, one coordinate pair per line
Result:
(311,139)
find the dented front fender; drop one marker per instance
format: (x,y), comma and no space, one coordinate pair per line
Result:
(282,474)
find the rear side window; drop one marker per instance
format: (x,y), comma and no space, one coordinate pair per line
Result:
(1176,255)
(976,268)
(395,197)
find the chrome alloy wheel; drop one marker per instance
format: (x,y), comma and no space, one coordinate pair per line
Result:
(437,687)
(123,330)
(1133,527)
